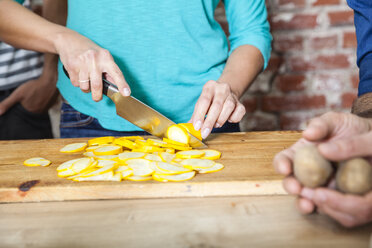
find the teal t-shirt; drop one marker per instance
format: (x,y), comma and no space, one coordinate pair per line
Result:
(167,50)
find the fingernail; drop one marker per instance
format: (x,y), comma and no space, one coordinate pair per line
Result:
(320,196)
(218,125)
(307,193)
(197,125)
(205,133)
(309,130)
(126,92)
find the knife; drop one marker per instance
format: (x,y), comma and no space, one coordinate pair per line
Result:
(140,114)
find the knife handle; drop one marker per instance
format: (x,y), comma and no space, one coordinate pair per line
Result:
(106,84)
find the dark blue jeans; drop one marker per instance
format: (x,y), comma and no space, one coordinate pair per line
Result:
(75,124)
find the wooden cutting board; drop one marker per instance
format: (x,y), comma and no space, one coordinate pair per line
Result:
(247,158)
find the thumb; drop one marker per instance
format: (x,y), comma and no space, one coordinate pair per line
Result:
(319,128)
(341,149)
(9,102)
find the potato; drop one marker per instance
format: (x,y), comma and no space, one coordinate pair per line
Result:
(354,176)
(310,167)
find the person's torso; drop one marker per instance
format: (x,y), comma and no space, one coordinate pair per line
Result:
(167,50)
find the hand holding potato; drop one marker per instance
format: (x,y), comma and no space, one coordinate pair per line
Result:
(339,137)
(349,210)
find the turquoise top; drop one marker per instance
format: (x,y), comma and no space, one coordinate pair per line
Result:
(167,50)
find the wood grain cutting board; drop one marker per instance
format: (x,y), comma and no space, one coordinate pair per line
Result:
(247,158)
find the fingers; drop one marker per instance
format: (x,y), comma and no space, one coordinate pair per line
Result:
(337,201)
(117,78)
(202,105)
(74,77)
(232,110)
(324,126)
(85,71)
(310,196)
(345,148)
(227,109)
(343,218)
(238,113)
(292,186)
(316,130)
(84,80)
(349,210)
(10,101)
(305,206)
(215,106)
(96,83)
(283,162)
(214,111)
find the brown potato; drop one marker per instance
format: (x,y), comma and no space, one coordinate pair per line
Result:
(310,167)
(354,176)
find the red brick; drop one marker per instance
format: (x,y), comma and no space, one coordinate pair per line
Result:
(288,82)
(291,3)
(284,44)
(324,42)
(274,63)
(320,62)
(354,79)
(349,40)
(250,104)
(347,99)
(344,17)
(293,102)
(290,21)
(326,2)
(295,121)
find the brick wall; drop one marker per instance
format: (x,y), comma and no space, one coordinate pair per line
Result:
(312,68)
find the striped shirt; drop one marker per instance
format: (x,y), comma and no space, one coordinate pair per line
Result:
(18,66)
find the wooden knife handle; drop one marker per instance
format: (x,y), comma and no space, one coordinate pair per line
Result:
(106,83)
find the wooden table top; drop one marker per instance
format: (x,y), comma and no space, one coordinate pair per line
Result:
(244,221)
(198,222)
(247,158)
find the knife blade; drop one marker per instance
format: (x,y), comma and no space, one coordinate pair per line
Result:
(140,114)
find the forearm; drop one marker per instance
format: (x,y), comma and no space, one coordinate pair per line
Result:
(56,12)
(22,28)
(242,67)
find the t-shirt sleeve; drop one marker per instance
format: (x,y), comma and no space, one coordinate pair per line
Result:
(248,25)
(363,26)
(19,1)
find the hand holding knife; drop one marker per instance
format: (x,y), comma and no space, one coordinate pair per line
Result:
(140,114)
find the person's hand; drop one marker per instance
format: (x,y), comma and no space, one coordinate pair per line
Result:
(85,63)
(348,210)
(219,104)
(351,135)
(35,96)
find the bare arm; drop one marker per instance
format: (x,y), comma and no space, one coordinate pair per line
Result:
(39,94)
(54,11)
(242,67)
(22,28)
(84,60)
